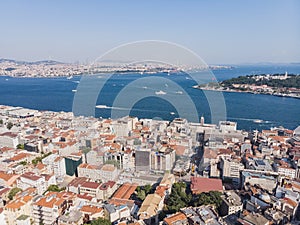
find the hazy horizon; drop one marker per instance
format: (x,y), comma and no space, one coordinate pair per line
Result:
(231,32)
(210,64)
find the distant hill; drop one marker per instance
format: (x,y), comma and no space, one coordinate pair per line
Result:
(45,62)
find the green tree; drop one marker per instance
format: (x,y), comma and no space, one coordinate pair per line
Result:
(210,198)
(178,198)
(24,163)
(13,192)
(36,160)
(101,221)
(39,158)
(1,121)
(20,146)
(9,125)
(141,195)
(54,188)
(147,188)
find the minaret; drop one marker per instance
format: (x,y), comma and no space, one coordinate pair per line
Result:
(202,120)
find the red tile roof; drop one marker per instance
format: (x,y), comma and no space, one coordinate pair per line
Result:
(31,176)
(202,184)
(91,185)
(160,190)
(175,218)
(85,196)
(118,202)
(125,191)
(5,176)
(91,209)
(9,134)
(20,156)
(78,181)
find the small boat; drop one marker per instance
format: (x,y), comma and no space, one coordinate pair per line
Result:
(258,121)
(160,92)
(102,107)
(172,113)
(70,77)
(179,92)
(74,90)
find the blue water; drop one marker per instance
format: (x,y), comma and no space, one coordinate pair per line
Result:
(56,94)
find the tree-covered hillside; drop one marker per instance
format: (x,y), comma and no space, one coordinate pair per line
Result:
(293,81)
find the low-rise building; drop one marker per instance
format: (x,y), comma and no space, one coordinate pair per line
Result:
(7,179)
(176,219)
(47,209)
(108,172)
(254,219)
(266,182)
(73,217)
(91,212)
(9,139)
(90,171)
(114,213)
(16,208)
(91,189)
(201,215)
(40,182)
(150,208)
(231,203)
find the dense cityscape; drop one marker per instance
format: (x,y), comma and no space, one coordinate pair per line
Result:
(49,68)
(60,169)
(150,112)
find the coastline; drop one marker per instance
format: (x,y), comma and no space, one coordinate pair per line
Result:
(249,92)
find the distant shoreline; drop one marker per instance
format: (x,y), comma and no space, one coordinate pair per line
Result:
(248,92)
(276,84)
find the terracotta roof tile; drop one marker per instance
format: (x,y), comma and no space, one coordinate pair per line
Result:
(91,185)
(91,209)
(202,184)
(175,218)
(125,191)
(5,176)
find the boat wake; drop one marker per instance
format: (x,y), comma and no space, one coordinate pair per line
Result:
(249,119)
(110,107)
(122,108)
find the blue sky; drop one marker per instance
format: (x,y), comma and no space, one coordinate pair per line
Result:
(218,31)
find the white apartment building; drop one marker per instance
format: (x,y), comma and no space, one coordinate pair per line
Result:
(47,209)
(9,139)
(90,171)
(30,179)
(287,171)
(108,172)
(55,164)
(231,169)
(231,203)
(95,157)
(16,208)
